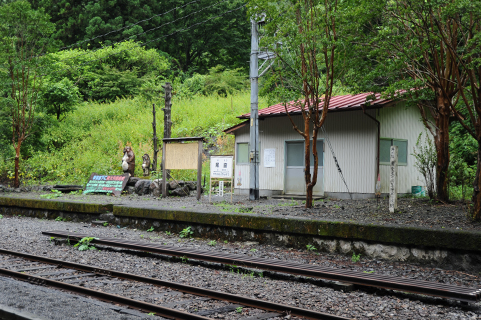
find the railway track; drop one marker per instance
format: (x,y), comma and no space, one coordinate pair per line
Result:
(166,299)
(447,291)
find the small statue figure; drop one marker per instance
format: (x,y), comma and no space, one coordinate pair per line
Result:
(128,161)
(146,164)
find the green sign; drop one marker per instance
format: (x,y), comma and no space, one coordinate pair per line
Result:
(106,183)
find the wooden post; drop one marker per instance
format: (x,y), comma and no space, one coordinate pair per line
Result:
(167,120)
(210,188)
(156,146)
(164,174)
(393,180)
(199,170)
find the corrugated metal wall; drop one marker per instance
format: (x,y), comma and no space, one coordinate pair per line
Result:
(401,122)
(353,138)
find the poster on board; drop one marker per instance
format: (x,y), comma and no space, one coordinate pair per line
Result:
(269,158)
(221,167)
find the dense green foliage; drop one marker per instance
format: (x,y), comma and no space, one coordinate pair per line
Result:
(24,36)
(92,138)
(192,33)
(108,73)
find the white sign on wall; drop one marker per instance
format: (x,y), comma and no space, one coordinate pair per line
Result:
(221,167)
(269,158)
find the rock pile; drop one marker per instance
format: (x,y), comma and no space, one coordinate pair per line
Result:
(145,187)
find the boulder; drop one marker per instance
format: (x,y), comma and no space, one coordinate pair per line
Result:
(142,187)
(191,185)
(174,185)
(132,181)
(180,192)
(156,187)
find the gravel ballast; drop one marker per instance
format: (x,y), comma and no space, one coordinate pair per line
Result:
(24,235)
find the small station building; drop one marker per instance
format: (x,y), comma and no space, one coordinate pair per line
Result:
(355,126)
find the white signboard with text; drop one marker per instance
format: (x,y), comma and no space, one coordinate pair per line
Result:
(221,167)
(269,158)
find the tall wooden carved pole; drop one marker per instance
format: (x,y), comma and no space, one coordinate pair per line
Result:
(167,116)
(156,147)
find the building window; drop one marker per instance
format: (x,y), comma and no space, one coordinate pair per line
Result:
(242,154)
(385,151)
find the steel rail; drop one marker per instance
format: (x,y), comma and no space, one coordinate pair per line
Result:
(255,303)
(447,291)
(108,297)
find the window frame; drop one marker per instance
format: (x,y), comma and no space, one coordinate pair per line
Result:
(392,143)
(237,153)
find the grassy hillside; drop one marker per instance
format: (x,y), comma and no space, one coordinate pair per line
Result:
(92,138)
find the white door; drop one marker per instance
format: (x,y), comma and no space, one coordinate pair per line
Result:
(294,180)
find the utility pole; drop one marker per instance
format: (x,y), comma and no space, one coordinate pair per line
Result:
(254,119)
(167,118)
(156,147)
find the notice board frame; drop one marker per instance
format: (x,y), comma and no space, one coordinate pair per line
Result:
(165,166)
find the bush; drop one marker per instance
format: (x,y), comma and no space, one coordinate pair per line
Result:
(426,158)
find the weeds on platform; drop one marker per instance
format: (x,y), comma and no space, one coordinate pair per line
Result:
(289,203)
(224,206)
(310,247)
(53,195)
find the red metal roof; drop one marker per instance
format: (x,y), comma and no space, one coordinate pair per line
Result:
(337,103)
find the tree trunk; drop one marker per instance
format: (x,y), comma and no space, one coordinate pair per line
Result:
(442,150)
(476,208)
(307,164)
(16,182)
(313,180)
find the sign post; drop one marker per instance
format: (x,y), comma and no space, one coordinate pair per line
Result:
(221,168)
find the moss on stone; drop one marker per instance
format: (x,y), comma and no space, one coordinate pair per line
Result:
(408,236)
(56,205)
